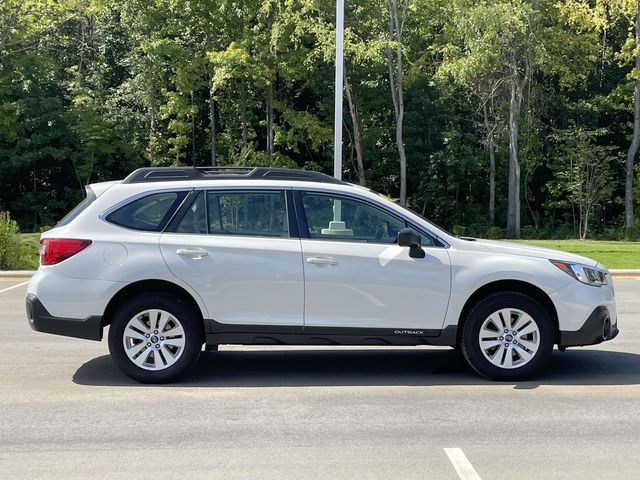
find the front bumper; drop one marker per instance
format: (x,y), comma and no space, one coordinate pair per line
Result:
(41,320)
(599,327)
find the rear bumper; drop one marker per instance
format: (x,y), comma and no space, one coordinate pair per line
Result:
(41,320)
(599,327)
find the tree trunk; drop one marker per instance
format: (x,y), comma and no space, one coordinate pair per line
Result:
(395,82)
(93,159)
(212,119)
(243,113)
(356,132)
(193,132)
(269,102)
(586,224)
(629,220)
(153,127)
(513,220)
(518,85)
(492,164)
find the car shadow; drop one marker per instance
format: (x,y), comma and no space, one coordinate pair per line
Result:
(384,367)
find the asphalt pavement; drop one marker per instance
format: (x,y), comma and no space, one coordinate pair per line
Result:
(247,412)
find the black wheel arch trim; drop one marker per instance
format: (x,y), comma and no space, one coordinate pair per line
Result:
(516,286)
(149,286)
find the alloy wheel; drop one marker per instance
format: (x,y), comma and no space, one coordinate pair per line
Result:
(509,338)
(153,339)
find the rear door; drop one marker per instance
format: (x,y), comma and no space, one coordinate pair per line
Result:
(237,250)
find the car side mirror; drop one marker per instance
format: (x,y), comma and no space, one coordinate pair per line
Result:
(408,237)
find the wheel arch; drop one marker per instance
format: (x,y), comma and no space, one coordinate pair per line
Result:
(148,286)
(518,286)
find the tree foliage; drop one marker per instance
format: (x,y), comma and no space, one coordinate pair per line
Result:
(482,114)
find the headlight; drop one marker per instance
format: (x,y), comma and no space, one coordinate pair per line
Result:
(583,273)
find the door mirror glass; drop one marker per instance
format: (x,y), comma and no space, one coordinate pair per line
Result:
(408,237)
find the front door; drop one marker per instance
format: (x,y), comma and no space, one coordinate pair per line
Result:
(234,248)
(355,276)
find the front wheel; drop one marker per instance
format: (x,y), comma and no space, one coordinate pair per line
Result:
(507,336)
(155,338)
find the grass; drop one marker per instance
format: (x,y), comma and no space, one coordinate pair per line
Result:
(30,245)
(610,254)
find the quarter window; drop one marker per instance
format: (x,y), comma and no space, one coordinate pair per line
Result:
(150,213)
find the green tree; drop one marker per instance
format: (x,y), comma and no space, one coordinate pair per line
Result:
(583,172)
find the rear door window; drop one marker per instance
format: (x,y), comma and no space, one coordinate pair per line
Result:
(258,213)
(149,213)
(248,213)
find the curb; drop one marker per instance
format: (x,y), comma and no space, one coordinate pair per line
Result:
(625,272)
(16,274)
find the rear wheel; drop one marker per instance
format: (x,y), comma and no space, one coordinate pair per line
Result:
(507,336)
(155,338)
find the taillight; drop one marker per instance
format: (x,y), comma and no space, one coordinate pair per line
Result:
(55,250)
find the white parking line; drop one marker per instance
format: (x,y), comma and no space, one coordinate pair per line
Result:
(461,463)
(15,286)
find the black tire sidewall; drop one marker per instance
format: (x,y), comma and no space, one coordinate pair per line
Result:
(470,336)
(191,323)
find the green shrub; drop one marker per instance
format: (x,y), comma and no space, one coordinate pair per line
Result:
(478,230)
(10,245)
(528,232)
(495,232)
(563,232)
(459,230)
(632,234)
(608,234)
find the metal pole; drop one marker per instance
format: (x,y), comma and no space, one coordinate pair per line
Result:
(337,121)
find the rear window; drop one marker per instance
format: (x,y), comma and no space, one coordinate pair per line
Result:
(78,209)
(150,213)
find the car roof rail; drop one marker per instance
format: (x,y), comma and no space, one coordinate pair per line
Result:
(168,174)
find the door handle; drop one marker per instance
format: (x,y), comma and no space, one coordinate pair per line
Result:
(322,260)
(195,253)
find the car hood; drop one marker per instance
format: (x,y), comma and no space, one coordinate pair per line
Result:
(531,251)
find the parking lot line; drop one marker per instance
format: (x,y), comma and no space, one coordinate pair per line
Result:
(14,286)
(461,463)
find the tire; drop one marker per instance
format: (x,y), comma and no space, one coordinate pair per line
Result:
(513,357)
(150,357)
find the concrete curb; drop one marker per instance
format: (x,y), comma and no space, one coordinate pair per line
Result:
(15,274)
(625,272)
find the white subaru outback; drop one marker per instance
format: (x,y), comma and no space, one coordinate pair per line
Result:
(172,259)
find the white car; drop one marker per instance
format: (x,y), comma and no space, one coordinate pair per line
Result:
(172,259)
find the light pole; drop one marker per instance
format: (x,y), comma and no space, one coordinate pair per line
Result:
(337,226)
(337,120)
